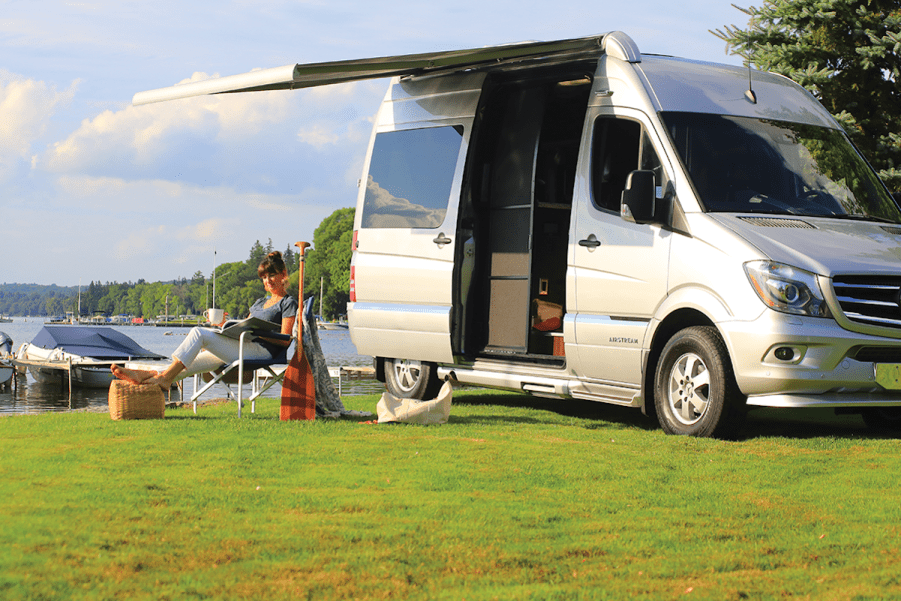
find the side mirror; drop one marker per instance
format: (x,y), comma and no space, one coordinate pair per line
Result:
(639,198)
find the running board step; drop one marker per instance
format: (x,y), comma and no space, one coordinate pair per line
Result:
(538,386)
(545,386)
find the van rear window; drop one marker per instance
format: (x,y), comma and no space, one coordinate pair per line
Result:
(410,177)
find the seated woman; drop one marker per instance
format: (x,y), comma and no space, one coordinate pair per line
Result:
(205,349)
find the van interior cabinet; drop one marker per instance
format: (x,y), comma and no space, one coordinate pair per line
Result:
(510,220)
(525,153)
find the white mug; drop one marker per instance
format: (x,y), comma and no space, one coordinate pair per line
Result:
(214,316)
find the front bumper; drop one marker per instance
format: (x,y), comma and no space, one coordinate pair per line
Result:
(829,366)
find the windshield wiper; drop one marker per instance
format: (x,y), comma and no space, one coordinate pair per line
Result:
(854,217)
(772,212)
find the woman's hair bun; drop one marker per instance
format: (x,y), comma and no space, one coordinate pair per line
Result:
(273,264)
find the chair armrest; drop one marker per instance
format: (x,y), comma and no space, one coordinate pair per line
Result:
(268,334)
(272,335)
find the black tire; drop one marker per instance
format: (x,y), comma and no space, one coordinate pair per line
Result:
(885,420)
(695,393)
(409,379)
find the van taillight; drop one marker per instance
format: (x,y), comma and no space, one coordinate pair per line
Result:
(353,283)
(353,286)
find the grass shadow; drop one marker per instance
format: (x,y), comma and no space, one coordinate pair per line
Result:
(602,415)
(768,422)
(190,416)
(760,422)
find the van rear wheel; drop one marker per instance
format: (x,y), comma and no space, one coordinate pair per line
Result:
(695,392)
(410,379)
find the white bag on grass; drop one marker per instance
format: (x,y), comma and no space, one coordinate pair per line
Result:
(411,411)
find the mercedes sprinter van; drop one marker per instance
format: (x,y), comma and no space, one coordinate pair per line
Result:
(577,219)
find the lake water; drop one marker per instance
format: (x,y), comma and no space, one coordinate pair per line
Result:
(34,397)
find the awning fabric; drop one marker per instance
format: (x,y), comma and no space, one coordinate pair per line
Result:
(297,76)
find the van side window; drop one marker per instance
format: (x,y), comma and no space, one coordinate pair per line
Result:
(619,146)
(649,159)
(410,177)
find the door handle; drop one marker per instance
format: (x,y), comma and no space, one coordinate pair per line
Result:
(590,243)
(441,240)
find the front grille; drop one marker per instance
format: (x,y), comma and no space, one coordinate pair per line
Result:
(870,300)
(878,354)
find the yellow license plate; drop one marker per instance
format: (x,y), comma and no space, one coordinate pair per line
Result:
(888,375)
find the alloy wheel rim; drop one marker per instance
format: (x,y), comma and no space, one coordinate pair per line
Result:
(406,373)
(689,389)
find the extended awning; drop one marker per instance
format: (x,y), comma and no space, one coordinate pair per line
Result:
(292,77)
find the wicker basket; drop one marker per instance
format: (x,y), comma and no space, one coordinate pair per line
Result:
(136,401)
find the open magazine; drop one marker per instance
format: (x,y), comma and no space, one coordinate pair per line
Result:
(233,329)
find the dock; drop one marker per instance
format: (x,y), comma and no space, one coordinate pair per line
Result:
(63,367)
(67,367)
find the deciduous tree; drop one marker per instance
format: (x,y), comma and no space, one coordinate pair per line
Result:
(328,265)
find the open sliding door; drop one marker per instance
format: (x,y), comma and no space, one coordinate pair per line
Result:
(510,221)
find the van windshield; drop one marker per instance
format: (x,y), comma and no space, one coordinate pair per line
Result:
(745,165)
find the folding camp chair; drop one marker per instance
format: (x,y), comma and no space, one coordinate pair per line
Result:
(242,366)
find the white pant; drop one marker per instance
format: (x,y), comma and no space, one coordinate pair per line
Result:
(204,350)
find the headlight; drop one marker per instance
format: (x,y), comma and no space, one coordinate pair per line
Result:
(787,289)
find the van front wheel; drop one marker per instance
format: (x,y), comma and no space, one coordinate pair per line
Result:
(409,379)
(695,391)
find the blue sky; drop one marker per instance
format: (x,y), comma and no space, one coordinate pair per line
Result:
(94,189)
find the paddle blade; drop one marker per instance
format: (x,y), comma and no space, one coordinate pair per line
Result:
(298,390)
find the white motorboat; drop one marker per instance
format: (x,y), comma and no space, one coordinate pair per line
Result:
(83,353)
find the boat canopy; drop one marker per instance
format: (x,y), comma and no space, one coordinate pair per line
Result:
(100,342)
(292,77)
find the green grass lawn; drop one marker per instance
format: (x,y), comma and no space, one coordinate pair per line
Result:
(547,500)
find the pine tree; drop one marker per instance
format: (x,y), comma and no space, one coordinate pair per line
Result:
(290,259)
(847,53)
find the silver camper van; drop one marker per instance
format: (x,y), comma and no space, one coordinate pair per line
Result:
(577,219)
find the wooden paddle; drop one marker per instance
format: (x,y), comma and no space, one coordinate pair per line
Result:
(298,386)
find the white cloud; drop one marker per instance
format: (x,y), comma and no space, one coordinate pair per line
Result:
(383,209)
(164,201)
(26,106)
(207,230)
(123,230)
(318,136)
(218,138)
(137,244)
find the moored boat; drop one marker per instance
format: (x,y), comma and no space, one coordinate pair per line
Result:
(6,368)
(6,373)
(84,352)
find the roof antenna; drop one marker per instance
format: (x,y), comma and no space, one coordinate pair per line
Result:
(750,95)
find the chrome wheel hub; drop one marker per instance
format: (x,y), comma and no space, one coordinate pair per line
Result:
(406,373)
(689,389)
